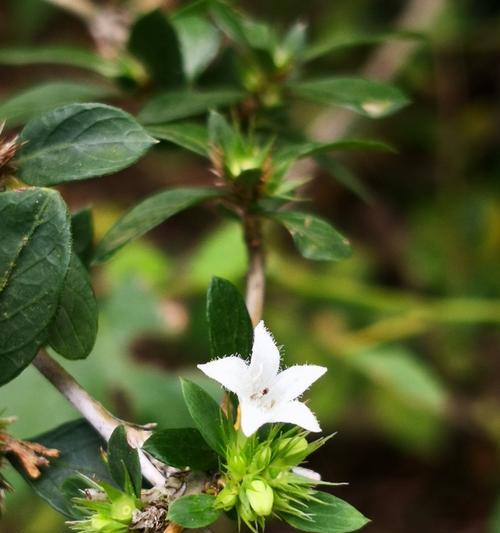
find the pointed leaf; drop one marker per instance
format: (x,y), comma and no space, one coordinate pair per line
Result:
(194,511)
(123,461)
(188,135)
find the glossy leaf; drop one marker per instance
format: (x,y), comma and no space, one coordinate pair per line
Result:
(82,232)
(123,461)
(146,215)
(314,237)
(183,447)
(35,249)
(79,141)
(194,511)
(229,324)
(73,330)
(328,515)
(373,99)
(188,135)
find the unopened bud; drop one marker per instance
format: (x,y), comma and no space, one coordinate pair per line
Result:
(227,498)
(237,466)
(261,497)
(292,446)
(123,508)
(262,458)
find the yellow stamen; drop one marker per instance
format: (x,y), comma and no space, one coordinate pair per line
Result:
(237,424)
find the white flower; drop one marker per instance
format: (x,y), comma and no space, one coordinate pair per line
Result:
(266,394)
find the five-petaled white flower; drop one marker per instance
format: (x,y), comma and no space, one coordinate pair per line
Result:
(266,394)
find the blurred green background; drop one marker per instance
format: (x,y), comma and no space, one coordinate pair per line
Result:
(409,327)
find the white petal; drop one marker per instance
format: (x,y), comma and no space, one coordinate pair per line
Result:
(265,362)
(295,413)
(293,381)
(307,473)
(252,417)
(231,372)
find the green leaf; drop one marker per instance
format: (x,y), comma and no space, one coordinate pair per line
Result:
(35,249)
(174,105)
(73,331)
(181,448)
(314,237)
(229,324)
(206,415)
(80,448)
(188,135)
(329,515)
(154,41)
(82,232)
(220,132)
(193,511)
(373,99)
(79,141)
(148,214)
(46,96)
(123,461)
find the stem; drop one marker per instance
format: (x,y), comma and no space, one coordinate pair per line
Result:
(98,416)
(256,277)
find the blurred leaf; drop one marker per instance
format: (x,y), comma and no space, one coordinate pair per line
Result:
(82,233)
(123,461)
(193,511)
(174,105)
(494,521)
(220,133)
(182,447)
(148,214)
(34,257)
(73,331)
(373,99)
(188,135)
(79,141)
(229,324)
(328,515)
(314,237)
(48,95)
(154,41)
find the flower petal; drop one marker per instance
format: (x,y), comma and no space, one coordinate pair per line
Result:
(252,417)
(265,362)
(231,372)
(295,413)
(293,381)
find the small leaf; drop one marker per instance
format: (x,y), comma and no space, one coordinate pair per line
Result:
(79,141)
(174,105)
(148,214)
(188,135)
(220,132)
(123,461)
(82,232)
(206,415)
(229,324)
(373,99)
(73,331)
(193,511)
(315,238)
(329,515)
(183,447)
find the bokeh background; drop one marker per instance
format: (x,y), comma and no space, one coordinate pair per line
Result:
(409,327)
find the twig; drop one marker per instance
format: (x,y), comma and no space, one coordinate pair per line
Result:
(256,277)
(97,415)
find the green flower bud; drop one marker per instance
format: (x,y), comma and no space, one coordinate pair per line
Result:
(261,497)
(123,508)
(227,498)
(237,466)
(262,458)
(99,523)
(291,447)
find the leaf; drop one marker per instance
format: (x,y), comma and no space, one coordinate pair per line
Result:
(80,448)
(73,331)
(154,41)
(183,447)
(35,249)
(193,511)
(314,237)
(206,415)
(82,233)
(79,141)
(329,515)
(46,96)
(174,105)
(220,132)
(373,99)
(148,214)
(188,135)
(123,461)
(229,324)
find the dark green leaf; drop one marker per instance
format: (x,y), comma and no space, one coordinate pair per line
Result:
(46,96)
(73,331)
(189,135)
(174,105)
(329,515)
(148,214)
(373,99)
(35,249)
(79,141)
(194,511)
(229,324)
(154,41)
(315,238)
(181,448)
(82,232)
(123,461)
(206,415)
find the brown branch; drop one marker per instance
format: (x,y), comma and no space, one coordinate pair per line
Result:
(256,276)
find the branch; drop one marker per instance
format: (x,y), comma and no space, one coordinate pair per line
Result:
(256,277)
(97,415)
